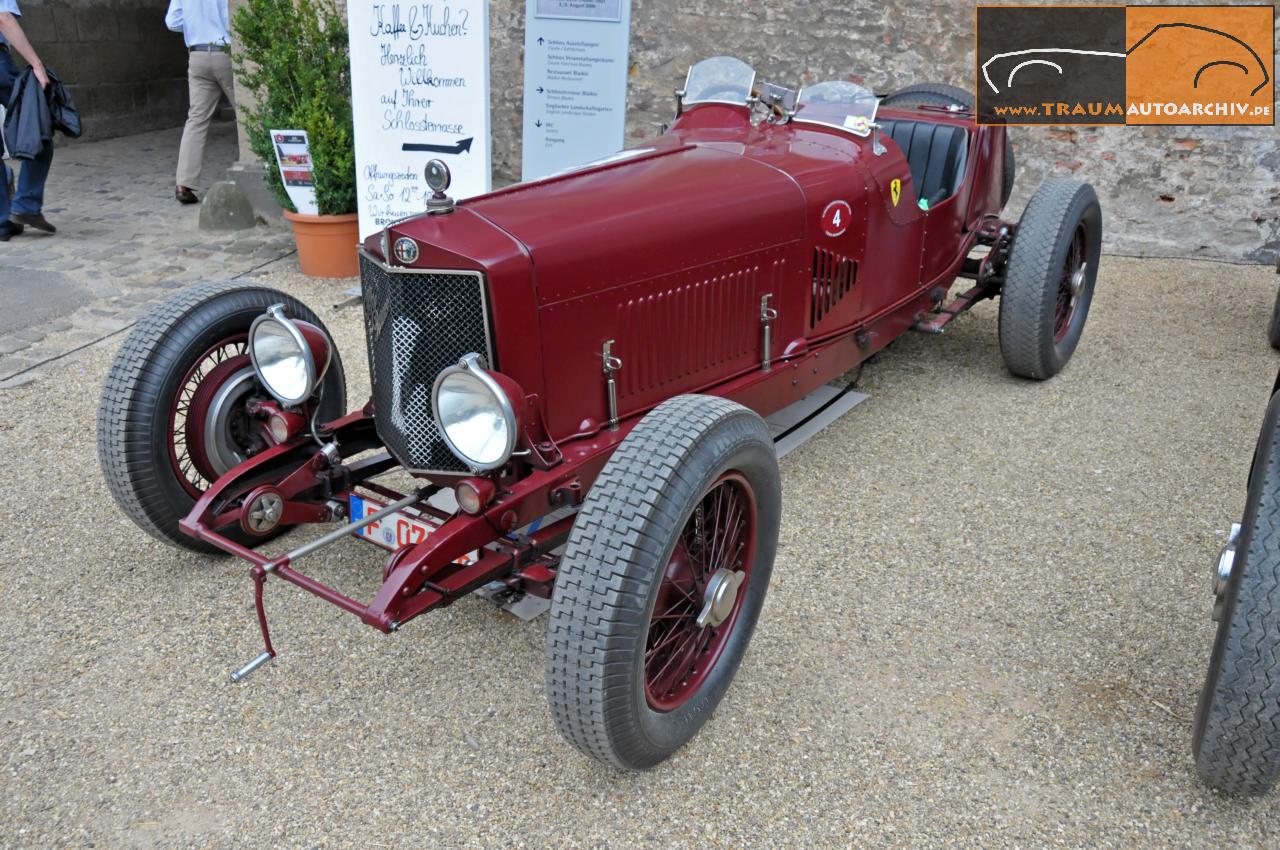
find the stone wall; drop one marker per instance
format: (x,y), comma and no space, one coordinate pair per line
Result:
(1173,191)
(127,72)
(1209,192)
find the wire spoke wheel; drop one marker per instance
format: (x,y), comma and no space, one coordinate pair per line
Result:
(174,414)
(209,427)
(1050,278)
(687,633)
(662,580)
(1074,273)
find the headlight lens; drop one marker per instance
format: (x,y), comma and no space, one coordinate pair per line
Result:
(283,357)
(475,415)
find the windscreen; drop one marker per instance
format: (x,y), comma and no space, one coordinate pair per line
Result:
(838,104)
(720,79)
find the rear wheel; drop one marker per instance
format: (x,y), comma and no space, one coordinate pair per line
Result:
(1049,279)
(662,581)
(1236,738)
(929,94)
(174,414)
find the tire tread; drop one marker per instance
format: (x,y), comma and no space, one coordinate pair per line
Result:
(1239,746)
(1026,311)
(601,590)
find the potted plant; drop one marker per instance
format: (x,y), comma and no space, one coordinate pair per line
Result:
(293,56)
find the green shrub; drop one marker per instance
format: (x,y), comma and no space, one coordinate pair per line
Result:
(293,56)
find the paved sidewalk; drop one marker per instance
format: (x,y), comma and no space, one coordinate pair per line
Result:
(123,242)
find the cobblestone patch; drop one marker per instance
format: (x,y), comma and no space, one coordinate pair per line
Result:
(123,243)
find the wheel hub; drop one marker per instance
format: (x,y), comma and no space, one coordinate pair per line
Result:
(1223,568)
(1077,282)
(701,593)
(221,448)
(720,597)
(264,512)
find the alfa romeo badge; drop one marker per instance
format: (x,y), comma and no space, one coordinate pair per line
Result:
(406,250)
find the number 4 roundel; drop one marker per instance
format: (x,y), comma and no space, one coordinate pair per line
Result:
(835,218)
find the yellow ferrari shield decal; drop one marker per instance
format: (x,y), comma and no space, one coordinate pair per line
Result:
(895,190)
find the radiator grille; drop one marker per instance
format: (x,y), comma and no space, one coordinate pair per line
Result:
(833,279)
(418,323)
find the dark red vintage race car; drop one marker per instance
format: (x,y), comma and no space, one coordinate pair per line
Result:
(574,370)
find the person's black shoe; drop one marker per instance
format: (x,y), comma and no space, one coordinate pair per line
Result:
(185,195)
(9,229)
(36,220)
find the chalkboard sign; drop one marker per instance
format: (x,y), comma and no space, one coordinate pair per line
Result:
(419,90)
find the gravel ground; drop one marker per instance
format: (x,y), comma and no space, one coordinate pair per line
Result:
(988,625)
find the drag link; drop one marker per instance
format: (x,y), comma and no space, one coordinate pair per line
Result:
(349,528)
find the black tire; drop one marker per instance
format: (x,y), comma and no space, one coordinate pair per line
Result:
(1273,327)
(1236,738)
(615,565)
(929,94)
(134,414)
(1039,329)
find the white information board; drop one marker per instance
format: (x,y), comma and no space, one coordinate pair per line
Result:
(419,90)
(575,82)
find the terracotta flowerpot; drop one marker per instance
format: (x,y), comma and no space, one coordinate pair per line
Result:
(326,243)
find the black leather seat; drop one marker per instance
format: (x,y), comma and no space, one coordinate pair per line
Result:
(935,154)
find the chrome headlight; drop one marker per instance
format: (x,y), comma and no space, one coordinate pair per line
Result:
(289,355)
(475,414)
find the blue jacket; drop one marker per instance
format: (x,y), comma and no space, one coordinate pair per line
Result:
(31,115)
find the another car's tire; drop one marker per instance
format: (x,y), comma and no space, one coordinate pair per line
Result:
(690,498)
(1273,327)
(1236,738)
(187,354)
(1049,279)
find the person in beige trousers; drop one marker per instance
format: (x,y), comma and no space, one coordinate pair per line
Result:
(205,28)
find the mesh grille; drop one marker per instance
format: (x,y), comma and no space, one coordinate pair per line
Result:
(418,324)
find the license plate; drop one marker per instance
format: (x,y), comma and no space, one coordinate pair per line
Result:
(395,530)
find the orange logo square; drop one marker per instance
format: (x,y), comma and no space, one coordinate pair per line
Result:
(1200,65)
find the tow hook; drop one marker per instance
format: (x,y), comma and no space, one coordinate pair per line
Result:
(1222,569)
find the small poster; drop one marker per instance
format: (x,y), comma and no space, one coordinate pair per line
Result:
(293,155)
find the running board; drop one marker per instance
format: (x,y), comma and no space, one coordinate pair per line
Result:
(796,424)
